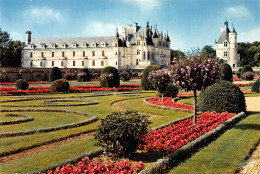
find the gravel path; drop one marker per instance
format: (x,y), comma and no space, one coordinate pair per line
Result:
(253,163)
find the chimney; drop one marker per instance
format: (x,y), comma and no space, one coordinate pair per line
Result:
(28,37)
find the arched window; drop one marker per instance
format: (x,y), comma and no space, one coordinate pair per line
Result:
(93,62)
(102,63)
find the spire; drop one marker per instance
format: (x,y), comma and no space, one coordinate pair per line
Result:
(117,35)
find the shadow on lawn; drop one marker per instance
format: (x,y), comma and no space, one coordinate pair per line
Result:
(148,157)
(248,126)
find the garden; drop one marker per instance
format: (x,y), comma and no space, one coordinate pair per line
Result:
(189,118)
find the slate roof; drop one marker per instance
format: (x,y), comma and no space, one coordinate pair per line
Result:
(225,34)
(70,40)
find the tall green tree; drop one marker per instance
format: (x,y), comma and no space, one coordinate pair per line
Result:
(208,52)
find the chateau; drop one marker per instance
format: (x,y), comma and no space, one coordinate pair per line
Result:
(132,47)
(226,46)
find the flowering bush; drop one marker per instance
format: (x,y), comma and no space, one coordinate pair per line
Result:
(194,74)
(3,77)
(169,103)
(69,76)
(175,136)
(160,79)
(96,167)
(249,75)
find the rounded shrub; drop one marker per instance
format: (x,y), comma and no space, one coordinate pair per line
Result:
(248,75)
(125,76)
(171,91)
(121,132)
(83,75)
(256,86)
(146,85)
(55,74)
(60,85)
(221,97)
(246,68)
(109,77)
(21,84)
(238,73)
(226,72)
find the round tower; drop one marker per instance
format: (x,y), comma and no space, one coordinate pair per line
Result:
(233,56)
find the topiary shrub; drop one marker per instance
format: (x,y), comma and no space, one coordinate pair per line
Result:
(125,76)
(121,132)
(60,85)
(171,91)
(246,69)
(83,75)
(55,74)
(21,84)
(248,75)
(256,86)
(226,72)
(239,73)
(109,77)
(146,85)
(221,97)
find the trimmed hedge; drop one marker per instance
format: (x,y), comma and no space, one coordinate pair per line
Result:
(221,97)
(226,72)
(83,75)
(21,84)
(246,69)
(146,85)
(114,81)
(60,85)
(256,86)
(55,74)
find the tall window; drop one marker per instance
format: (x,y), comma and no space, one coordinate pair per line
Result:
(52,63)
(52,54)
(73,53)
(31,54)
(225,54)
(74,63)
(93,53)
(144,55)
(82,63)
(225,44)
(42,54)
(103,53)
(137,62)
(138,52)
(102,63)
(148,55)
(138,42)
(61,63)
(63,54)
(83,53)
(116,53)
(31,63)
(93,62)
(40,64)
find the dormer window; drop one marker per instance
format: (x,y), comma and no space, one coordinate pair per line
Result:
(93,44)
(225,44)
(43,46)
(103,44)
(84,44)
(74,45)
(31,46)
(63,45)
(53,45)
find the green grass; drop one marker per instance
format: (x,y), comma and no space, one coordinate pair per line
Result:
(227,153)
(49,158)
(189,101)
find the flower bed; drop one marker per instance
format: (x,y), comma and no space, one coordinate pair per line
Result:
(86,88)
(175,136)
(12,83)
(244,84)
(88,166)
(169,103)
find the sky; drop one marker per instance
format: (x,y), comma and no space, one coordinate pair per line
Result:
(190,23)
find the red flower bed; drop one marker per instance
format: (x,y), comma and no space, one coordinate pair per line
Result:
(167,102)
(175,136)
(12,83)
(11,90)
(244,84)
(236,79)
(96,167)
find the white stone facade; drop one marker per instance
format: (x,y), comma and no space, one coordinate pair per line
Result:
(133,47)
(226,46)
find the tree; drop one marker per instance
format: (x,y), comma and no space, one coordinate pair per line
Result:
(177,54)
(195,74)
(208,52)
(160,80)
(4,42)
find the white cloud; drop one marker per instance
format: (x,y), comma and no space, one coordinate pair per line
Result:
(99,29)
(238,11)
(43,15)
(144,5)
(250,35)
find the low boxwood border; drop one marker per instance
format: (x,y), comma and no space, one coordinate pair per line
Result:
(52,129)
(173,159)
(27,118)
(145,101)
